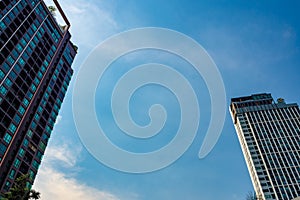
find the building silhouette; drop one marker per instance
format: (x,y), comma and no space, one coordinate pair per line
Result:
(35,70)
(269,135)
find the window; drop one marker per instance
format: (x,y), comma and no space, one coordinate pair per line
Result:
(37,117)
(36,81)
(46,62)
(12,75)
(25,142)
(49,89)
(25,102)
(43,69)
(36,39)
(42,30)
(3,90)
(22,62)
(21,152)
(7,138)
(48,129)
(53,114)
(39,155)
(12,174)
(1,74)
(34,27)
(39,34)
(35,164)
(7,20)
(23,42)
(2,149)
(11,15)
(46,95)
(29,50)
(42,146)
(29,95)
(29,133)
(56,108)
(30,32)
(51,122)
(8,82)
(43,102)
(32,44)
(2,25)
(40,75)
(25,56)
(17,119)
(12,128)
(40,109)
(15,54)
(7,184)
(19,48)
(17,163)
(15,10)
(10,60)
(21,110)
(58,101)
(17,68)
(31,174)
(33,125)
(5,67)
(45,137)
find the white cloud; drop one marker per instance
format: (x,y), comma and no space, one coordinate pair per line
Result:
(55,184)
(62,155)
(91,22)
(58,119)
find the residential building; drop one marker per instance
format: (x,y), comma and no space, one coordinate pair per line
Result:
(269,135)
(35,70)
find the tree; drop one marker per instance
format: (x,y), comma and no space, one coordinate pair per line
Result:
(52,10)
(20,191)
(252,196)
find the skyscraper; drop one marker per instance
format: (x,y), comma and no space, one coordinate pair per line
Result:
(269,134)
(35,59)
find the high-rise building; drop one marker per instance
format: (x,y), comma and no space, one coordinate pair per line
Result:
(35,69)
(269,135)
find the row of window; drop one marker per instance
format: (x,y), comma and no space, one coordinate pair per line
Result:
(40,11)
(16,53)
(33,86)
(275,162)
(37,117)
(13,10)
(54,31)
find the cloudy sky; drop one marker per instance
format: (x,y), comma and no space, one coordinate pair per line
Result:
(256,47)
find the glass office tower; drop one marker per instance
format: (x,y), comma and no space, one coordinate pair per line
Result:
(269,134)
(35,70)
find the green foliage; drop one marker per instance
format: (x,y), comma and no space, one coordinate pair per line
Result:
(20,191)
(52,10)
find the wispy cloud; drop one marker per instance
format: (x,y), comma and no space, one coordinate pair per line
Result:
(58,185)
(90,22)
(62,155)
(58,119)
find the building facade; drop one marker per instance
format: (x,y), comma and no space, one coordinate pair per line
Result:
(35,70)
(269,135)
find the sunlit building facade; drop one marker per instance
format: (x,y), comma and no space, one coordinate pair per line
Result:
(35,71)
(269,135)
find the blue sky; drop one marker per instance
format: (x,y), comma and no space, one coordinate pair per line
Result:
(256,46)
